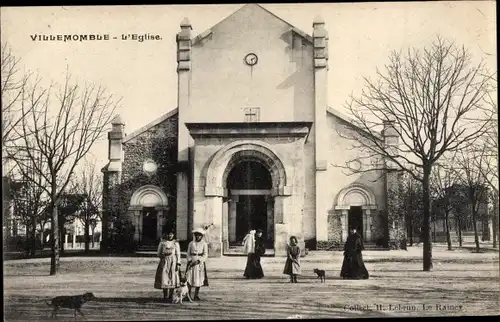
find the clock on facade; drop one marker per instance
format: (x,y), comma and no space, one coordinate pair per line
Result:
(149,167)
(251,59)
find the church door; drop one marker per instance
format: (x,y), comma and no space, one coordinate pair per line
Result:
(355,219)
(149,226)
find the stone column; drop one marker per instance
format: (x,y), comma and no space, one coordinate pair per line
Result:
(368,229)
(141,217)
(214,209)
(159,224)
(137,233)
(232,220)
(73,242)
(343,222)
(65,240)
(225,226)
(270,218)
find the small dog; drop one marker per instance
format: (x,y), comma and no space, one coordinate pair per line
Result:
(74,302)
(321,274)
(181,292)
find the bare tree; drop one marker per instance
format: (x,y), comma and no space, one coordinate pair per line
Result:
(428,99)
(442,180)
(61,128)
(470,169)
(88,182)
(12,86)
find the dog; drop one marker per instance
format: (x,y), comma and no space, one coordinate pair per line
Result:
(321,274)
(181,292)
(74,302)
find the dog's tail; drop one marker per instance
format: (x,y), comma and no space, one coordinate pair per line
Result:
(48,303)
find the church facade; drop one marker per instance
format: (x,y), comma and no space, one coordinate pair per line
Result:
(252,144)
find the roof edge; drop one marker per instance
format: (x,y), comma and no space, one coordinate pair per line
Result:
(150,125)
(348,120)
(208,31)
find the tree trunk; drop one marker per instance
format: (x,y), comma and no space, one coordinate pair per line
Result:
(54,258)
(427,248)
(410,232)
(494,221)
(93,232)
(459,224)
(474,223)
(447,228)
(104,231)
(33,237)
(87,237)
(62,234)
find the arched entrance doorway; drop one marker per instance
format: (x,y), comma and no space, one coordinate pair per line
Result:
(249,187)
(252,165)
(355,204)
(149,206)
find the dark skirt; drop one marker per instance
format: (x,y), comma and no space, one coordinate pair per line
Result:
(253,268)
(353,267)
(292,267)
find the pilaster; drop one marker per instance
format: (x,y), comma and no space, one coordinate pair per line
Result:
(183,40)
(320,45)
(112,177)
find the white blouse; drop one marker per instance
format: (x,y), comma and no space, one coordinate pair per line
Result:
(197,251)
(170,247)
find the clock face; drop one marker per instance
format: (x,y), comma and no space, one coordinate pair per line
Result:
(251,59)
(149,167)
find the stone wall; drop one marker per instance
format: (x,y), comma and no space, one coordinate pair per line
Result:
(334,232)
(158,143)
(395,219)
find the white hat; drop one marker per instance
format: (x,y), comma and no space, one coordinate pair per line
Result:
(199,231)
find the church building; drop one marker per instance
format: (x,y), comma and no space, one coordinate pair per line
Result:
(252,144)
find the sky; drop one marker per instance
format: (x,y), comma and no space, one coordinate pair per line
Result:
(143,74)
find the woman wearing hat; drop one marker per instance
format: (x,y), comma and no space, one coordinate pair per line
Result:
(254,247)
(196,271)
(167,273)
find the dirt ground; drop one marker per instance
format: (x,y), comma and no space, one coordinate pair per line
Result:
(461,283)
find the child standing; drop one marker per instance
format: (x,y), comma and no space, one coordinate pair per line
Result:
(292,265)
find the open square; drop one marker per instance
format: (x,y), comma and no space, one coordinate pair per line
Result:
(462,283)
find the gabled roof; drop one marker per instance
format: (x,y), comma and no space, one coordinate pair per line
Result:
(207,32)
(150,125)
(349,121)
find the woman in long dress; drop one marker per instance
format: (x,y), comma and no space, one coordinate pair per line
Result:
(353,266)
(292,264)
(196,270)
(167,273)
(254,247)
